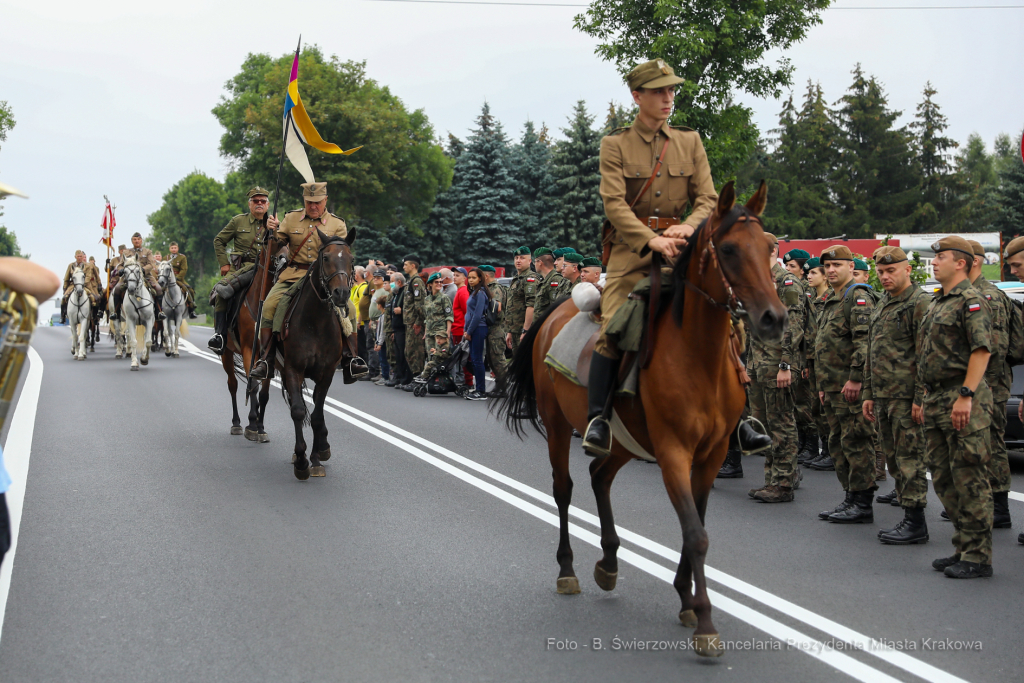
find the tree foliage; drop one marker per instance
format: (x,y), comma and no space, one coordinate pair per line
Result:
(8,240)
(578,210)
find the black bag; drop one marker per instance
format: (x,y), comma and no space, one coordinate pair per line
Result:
(491,313)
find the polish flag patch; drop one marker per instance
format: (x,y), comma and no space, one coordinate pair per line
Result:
(974,307)
(989,297)
(554,284)
(787,282)
(531,279)
(862,302)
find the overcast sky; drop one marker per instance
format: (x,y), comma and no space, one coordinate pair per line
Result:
(114,96)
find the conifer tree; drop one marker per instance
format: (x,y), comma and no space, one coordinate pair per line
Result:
(1009,195)
(531,167)
(936,206)
(578,209)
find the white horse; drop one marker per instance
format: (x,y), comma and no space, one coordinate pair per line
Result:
(79,313)
(139,312)
(174,308)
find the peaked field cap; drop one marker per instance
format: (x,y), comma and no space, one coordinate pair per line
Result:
(795,254)
(121,247)
(653,74)
(591,262)
(954,243)
(978,249)
(1015,246)
(521,251)
(256,192)
(380,272)
(314,192)
(839,252)
(886,255)
(860,264)
(541,251)
(138,234)
(79,251)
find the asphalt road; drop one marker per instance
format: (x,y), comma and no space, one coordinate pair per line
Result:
(154,546)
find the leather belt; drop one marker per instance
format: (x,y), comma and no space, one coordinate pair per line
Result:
(658,223)
(300,266)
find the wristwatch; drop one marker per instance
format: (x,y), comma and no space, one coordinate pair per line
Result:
(783,366)
(966,393)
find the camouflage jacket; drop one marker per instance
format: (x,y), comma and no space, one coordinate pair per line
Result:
(439,312)
(415,297)
(765,353)
(1007,338)
(521,294)
(894,341)
(499,293)
(565,289)
(547,292)
(841,344)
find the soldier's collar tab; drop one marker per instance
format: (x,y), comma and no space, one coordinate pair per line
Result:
(645,132)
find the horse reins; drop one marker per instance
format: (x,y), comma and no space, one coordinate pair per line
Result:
(710,254)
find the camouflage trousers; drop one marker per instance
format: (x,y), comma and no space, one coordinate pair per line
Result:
(902,442)
(999,464)
(817,410)
(958,461)
(850,443)
(392,352)
(804,397)
(435,355)
(415,350)
(495,355)
(780,412)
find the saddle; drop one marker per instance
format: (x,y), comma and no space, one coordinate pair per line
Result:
(286,308)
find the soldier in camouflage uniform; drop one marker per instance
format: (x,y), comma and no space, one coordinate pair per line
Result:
(773,363)
(389,334)
(957,334)
(590,270)
(439,316)
(819,291)
(412,314)
(521,293)
(1008,348)
(495,349)
(840,352)
(803,395)
(550,280)
(570,273)
(893,342)
(1014,259)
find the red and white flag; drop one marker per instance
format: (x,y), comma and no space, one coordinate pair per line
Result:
(108,224)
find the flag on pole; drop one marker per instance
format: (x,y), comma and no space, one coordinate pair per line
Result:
(108,224)
(299,129)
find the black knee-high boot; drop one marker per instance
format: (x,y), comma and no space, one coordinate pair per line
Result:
(604,373)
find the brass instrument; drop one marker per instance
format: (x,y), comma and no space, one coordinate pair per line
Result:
(17,322)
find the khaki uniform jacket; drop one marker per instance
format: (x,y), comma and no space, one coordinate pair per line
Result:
(293,231)
(144,257)
(247,234)
(180,265)
(92,276)
(627,161)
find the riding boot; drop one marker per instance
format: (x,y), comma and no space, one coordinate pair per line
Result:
(260,369)
(913,529)
(604,373)
(216,343)
(860,512)
(63,310)
(192,312)
(752,441)
(732,468)
(1001,510)
(159,309)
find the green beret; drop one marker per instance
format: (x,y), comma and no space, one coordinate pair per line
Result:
(590,262)
(433,276)
(859,264)
(812,263)
(558,253)
(487,269)
(568,250)
(573,257)
(541,251)
(521,251)
(795,254)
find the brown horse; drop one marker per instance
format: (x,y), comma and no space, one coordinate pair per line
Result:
(690,387)
(239,342)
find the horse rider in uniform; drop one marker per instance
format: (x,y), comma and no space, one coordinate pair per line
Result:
(92,282)
(179,263)
(521,293)
(246,232)
(297,237)
(642,224)
(144,257)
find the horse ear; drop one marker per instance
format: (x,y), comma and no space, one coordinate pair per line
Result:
(322,236)
(759,200)
(351,236)
(726,198)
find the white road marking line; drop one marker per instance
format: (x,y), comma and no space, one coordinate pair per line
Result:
(1012,494)
(16,456)
(774,628)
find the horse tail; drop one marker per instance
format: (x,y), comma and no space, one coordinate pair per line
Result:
(140,333)
(183,330)
(520,401)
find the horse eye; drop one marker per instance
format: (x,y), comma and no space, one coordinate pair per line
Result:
(728,249)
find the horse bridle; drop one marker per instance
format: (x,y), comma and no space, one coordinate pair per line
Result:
(133,267)
(710,255)
(325,283)
(167,288)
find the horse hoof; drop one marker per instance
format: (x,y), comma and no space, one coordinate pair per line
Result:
(144,361)
(263,437)
(302,475)
(324,454)
(118,355)
(250,435)
(294,458)
(708,645)
(135,368)
(317,471)
(176,355)
(236,430)
(167,353)
(688,618)
(605,580)
(568,585)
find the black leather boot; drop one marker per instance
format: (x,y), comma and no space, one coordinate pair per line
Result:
(752,441)
(261,369)
(216,343)
(847,502)
(63,310)
(913,529)
(1001,510)
(824,462)
(732,468)
(809,449)
(887,498)
(860,512)
(604,372)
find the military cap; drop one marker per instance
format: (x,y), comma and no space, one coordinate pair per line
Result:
(1015,246)
(487,269)
(380,272)
(860,264)
(521,251)
(314,192)
(812,263)
(887,255)
(257,191)
(954,243)
(541,251)
(79,251)
(978,249)
(433,276)
(839,252)
(414,259)
(568,250)
(795,254)
(590,262)
(558,253)
(121,247)
(772,240)
(653,74)
(138,234)
(573,257)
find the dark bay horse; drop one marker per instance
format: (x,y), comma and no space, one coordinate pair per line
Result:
(691,383)
(315,345)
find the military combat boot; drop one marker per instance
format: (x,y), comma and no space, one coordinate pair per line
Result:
(775,494)
(732,468)
(809,451)
(604,373)
(943,562)
(887,499)
(753,492)
(261,369)
(1001,510)
(860,512)
(1020,539)
(913,529)
(968,570)
(216,343)
(847,502)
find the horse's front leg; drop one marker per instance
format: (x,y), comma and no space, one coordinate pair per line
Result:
(83,334)
(227,361)
(293,385)
(148,338)
(602,473)
(264,398)
(321,449)
(559,433)
(131,340)
(166,325)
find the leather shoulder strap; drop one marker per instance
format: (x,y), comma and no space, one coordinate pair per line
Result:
(654,174)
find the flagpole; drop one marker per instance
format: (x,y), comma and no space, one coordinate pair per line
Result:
(266,245)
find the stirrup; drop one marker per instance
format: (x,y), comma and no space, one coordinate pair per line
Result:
(761,430)
(596,450)
(256,368)
(216,343)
